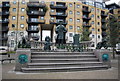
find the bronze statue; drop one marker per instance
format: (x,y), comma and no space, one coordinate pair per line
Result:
(60,31)
(47,43)
(102,44)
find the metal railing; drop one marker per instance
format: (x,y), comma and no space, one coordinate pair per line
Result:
(84,46)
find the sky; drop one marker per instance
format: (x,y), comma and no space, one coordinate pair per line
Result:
(112,1)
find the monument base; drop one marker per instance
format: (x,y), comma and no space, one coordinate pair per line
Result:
(61,50)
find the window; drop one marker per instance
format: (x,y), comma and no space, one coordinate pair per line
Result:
(92,36)
(52,10)
(41,10)
(13,17)
(78,13)
(93,29)
(78,27)
(118,17)
(21,25)
(70,4)
(78,20)
(42,18)
(22,9)
(78,6)
(52,18)
(98,10)
(70,34)
(42,2)
(52,2)
(70,27)
(99,36)
(98,23)
(14,9)
(98,17)
(23,2)
(13,25)
(70,12)
(12,43)
(22,17)
(14,2)
(98,30)
(70,20)
(92,22)
(12,33)
(92,15)
(92,9)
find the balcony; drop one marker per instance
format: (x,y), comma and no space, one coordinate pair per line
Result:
(5,29)
(104,33)
(86,18)
(58,7)
(37,21)
(86,25)
(103,20)
(34,37)
(5,6)
(36,5)
(32,30)
(104,28)
(4,13)
(86,10)
(4,21)
(57,22)
(58,14)
(104,15)
(36,13)
(4,38)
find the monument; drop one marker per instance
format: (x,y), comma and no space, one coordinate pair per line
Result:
(102,44)
(60,31)
(47,43)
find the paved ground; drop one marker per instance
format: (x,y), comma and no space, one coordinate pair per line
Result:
(112,73)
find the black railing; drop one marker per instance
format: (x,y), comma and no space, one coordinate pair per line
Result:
(4,13)
(4,21)
(104,15)
(32,30)
(39,5)
(35,21)
(58,7)
(38,13)
(86,10)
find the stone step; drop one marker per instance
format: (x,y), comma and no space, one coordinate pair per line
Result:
(65,64)
(61,53)
(44,60)
(63,69)
(62,56)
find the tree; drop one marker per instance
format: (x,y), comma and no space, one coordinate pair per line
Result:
(85,34)
(114,27)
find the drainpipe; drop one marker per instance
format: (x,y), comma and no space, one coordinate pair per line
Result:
(17,23)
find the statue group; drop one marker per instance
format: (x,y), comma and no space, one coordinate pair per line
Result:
(61,32)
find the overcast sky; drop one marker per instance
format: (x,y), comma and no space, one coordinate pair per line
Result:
(112,1)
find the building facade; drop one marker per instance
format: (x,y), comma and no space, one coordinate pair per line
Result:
(29,18)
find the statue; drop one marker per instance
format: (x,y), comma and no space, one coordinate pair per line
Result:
(47,43)
(102,44)
(76,43)
(60,31)
(24,43)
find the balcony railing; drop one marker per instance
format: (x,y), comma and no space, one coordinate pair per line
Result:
(104,15)
(32,30)
(104,33)
(4,38)
(86,25)
(57,22)
(86,18)
(103,20)
(5,29)
(34,37)
(86,10)
(37,21)
(58,14)
(37,13)
(4,13)
(58,6)
(5,6)
(4,21)
(39,5)
(103,27)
